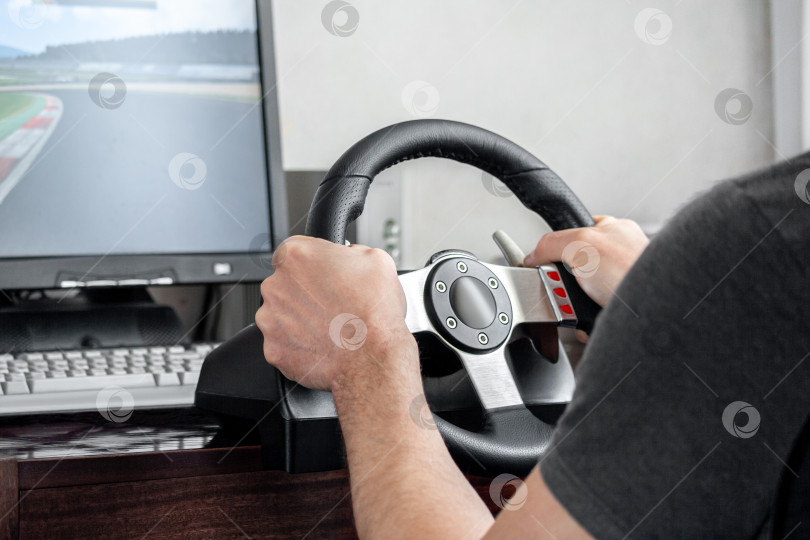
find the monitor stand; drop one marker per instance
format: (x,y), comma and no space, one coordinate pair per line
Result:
(91,318)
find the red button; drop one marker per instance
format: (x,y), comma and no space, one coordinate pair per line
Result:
(554,275)
(560,292)
(567,309)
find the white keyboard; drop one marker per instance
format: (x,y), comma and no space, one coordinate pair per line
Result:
(109,379)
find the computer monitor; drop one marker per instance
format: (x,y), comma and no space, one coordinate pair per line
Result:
(139,143)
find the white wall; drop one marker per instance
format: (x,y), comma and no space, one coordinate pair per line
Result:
(789,55)
(629,125)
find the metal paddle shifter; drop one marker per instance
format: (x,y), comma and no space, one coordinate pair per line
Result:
(495,376)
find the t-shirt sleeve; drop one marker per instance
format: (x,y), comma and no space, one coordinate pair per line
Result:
(693,386)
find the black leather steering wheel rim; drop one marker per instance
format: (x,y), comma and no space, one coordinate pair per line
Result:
(342,193)
(505,442)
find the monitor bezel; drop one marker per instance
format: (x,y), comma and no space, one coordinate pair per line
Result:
(63,272)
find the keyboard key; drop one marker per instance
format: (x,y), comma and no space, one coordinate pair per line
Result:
(15,387)
(6,357)
(92,354)
(53,356)
(157,350)
(73,354)
(136,369)
(35,375)
(166,379)
(139,352)
(189,377)
(31,356)
(57,374)
(202,348)
(77,373)
(176,349)
(91,383)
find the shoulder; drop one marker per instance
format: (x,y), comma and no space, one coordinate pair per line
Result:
(767,211)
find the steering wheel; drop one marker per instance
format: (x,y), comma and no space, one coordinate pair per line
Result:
(474,308)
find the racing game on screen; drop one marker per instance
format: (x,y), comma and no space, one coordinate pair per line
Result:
(130,126)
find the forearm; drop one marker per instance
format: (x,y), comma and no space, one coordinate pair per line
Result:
(404,482)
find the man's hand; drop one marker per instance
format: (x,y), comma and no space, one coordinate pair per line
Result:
(327,307)
(599,256)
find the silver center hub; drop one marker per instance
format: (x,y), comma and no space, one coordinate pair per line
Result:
(472,300)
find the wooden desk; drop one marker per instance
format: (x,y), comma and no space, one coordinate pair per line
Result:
(162,474)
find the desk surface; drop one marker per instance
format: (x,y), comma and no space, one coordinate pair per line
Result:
(166,474)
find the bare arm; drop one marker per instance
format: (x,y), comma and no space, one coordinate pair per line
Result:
(404,482)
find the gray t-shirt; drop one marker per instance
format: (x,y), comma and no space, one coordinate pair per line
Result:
(696,380)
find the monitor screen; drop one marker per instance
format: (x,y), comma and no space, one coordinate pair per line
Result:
(131,127)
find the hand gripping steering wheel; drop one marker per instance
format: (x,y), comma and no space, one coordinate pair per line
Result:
(475,309)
